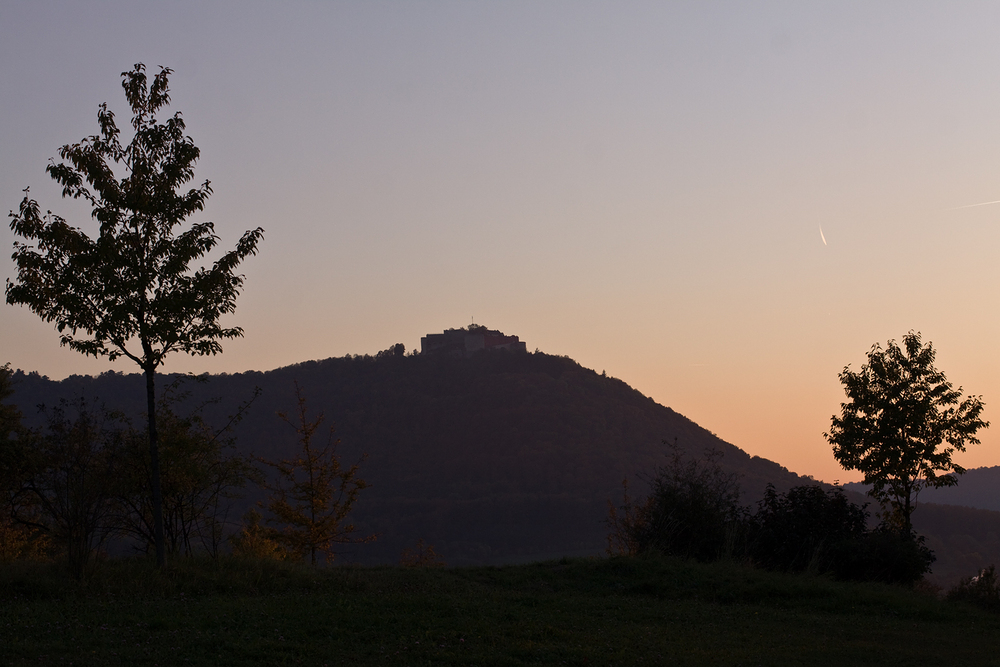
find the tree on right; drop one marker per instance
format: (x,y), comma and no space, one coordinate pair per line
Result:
(901,425)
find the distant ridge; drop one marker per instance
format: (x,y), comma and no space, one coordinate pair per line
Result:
(978,487)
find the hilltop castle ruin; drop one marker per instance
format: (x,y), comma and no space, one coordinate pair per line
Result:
(466,342)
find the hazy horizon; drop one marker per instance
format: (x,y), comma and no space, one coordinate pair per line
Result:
(721,204)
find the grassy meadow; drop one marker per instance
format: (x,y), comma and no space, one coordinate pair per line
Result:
(568,612)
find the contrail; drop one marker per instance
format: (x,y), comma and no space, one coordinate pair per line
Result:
(821,234)
(985,203)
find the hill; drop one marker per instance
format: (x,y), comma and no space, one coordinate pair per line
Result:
(497,458)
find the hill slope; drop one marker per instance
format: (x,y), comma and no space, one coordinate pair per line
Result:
(978,487)
(501,457)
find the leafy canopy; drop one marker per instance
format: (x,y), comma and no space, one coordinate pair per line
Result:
(130,291)
(902,424)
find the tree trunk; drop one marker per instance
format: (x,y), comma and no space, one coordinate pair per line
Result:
(907,511)
(154,470)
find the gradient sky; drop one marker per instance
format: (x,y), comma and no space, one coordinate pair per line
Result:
(639,186)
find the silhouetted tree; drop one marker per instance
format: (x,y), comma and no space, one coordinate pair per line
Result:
(18,538)
(68,490)
(313,493)
(902,424)
(397,350)
(200,474)
(693,511)
(130,291)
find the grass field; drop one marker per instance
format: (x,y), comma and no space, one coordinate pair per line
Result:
(572,612)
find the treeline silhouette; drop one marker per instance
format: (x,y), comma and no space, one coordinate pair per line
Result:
(80,485)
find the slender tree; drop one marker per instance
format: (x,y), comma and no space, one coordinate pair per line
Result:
(313,493)
(131,291)
(902,424)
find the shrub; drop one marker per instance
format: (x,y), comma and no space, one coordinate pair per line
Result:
(623,524)
(692,512)
(883,555)
(253,540)
(68,484)
(982,590)
(803,528)
(423,555)
(810,528)
(21,542)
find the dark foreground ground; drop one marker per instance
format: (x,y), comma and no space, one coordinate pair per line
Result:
(576,612)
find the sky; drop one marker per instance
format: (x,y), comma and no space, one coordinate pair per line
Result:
(722,204)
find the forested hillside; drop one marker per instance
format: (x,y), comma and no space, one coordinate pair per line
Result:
(501,457)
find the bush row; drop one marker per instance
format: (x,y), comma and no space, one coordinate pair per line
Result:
(694,511)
